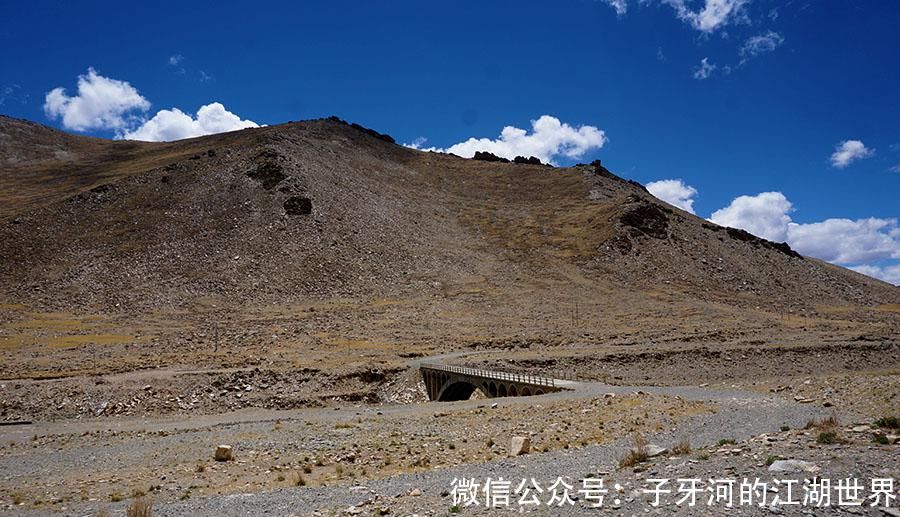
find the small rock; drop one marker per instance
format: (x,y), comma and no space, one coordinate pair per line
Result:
(519,445)
(415,492)
(223,453)
(655,450)
(793,466)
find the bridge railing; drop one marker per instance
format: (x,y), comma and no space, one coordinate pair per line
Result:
(491,374)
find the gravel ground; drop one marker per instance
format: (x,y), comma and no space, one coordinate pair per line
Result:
(739,416)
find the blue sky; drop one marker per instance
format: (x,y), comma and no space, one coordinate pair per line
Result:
(784,84)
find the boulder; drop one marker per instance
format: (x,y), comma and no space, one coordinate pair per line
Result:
(519,445)
(223,453)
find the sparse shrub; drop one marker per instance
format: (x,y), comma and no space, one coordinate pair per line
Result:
(772,459)
(307,468)
(140,507)
(881,439)
(339,470)
(280,477)
(201,467)
(299,480)
(785,428)
(637,453)
(455,509)
(726,441)
(17,499)
(828,437)
(703,456)
(682,448)
(490,442)
(116,497)
(888,422)
(824,424)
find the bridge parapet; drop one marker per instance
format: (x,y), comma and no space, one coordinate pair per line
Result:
(448,382)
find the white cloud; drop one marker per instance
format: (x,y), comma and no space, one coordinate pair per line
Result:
(417,143)
(763,215)
(109,104)
(895,168)
(176,59)
(674,192)
(853,243)
(704,69)
(848,152)
(549,139)
(760,44)
(621,6)
(174,124)
(890,274)
(714,14)
(101,103)
(845,241)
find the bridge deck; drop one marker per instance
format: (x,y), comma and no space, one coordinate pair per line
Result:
(533,380)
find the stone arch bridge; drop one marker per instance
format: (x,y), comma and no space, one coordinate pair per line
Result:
(445,383)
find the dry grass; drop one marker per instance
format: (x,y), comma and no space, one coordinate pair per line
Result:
(298,479)
(141,507)
(682,448)
(824,424)
(637,453)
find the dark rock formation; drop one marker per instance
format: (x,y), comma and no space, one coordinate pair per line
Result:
(488,157)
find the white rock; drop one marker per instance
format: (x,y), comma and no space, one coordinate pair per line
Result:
(793,466)
(655,450)
(519,445)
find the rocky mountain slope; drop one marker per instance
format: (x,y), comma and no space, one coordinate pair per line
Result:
(156,240)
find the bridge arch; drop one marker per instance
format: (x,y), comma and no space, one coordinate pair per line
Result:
(459,390)
(447,383)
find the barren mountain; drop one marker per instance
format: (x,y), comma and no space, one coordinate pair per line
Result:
(323,244)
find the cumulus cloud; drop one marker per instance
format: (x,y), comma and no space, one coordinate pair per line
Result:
(760,44)
(176,59)
(848,152)
(101,103)
(109,104)
(764,215)
(847,241)
(675,192)
(704,69)
(890,274)
(174,124)
(549,138)
(853,243)
(713,15)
